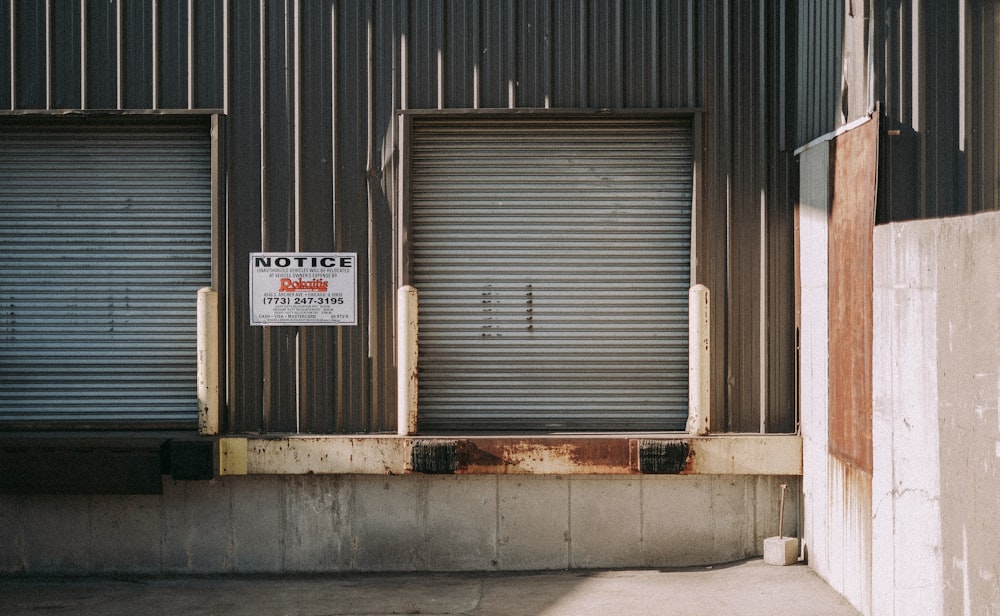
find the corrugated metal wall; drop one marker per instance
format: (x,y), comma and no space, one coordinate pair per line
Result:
(309,90)
(819,48)
(940,98)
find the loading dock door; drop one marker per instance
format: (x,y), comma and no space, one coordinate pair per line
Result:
(553,260)
(106,239)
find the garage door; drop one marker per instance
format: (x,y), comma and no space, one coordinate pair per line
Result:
(106,239)
(553,260)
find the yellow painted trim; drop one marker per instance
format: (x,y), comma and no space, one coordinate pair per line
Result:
(231,456)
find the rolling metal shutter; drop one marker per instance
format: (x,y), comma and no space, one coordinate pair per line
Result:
(106,239)
(552,258)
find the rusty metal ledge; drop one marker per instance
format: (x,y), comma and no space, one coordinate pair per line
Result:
(731,454)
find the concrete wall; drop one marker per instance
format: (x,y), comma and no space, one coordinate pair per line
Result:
(936,424)
(325,523)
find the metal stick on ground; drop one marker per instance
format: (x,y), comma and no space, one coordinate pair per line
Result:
(781,514)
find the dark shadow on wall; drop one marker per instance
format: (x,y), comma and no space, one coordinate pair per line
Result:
(941,103)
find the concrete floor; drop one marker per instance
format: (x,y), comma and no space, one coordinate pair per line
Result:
(746,589)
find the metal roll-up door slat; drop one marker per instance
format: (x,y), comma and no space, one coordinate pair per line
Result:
(552,258)
(106,239)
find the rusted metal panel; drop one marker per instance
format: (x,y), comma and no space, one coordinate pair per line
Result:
(852,216)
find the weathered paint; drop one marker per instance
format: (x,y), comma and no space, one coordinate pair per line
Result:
(406,360)
(598,455)
(849,533)
(751,454)
(699,360)
(561,456)
(209,399)
(327,455)
(231,456)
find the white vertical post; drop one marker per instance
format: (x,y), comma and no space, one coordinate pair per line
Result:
(406,360)
(699,361)
(209,400)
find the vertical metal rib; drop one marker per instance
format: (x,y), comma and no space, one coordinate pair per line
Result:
(155,54)
(83,55)
(48,54)
(190,54)
(119,56)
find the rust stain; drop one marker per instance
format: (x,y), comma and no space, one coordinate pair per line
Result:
(689,463)
(570,455)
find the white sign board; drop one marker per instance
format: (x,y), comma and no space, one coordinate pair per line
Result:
(303,288)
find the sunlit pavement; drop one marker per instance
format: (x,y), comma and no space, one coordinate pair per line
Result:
(746,588)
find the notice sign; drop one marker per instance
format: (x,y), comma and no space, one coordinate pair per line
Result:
(303,288)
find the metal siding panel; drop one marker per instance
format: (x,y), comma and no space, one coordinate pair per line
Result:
(460,54)
(351,210)
(172,55)
(101,73)
(65,49)
(426,46)
(6,53)
(981,126)
(382,183)
(781,364)
(553,262)
(137,54)
(943,168)
(496,74)
(604,58)
(107,238)
(29,55)
(534,55)
(983,108)
(712,225)
(821,31)
(314,206)
(280,403)
(569,81)
(246,375)
(744,229)
(939,102)
(546,49)
(208,46)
